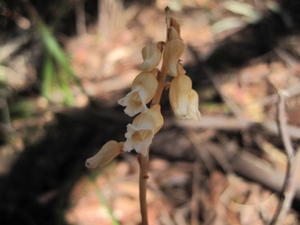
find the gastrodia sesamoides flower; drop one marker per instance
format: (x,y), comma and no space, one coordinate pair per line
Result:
(183,99)
(172,51)
(140,133)
(107,153)
(142,91)
(151,55)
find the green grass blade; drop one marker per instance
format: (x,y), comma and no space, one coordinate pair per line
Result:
(104,202)
(54,48)
(47,76)
(58,54)
(64,84)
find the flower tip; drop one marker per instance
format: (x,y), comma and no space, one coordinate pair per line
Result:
(90,163)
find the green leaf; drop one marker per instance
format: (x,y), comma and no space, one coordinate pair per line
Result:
(103,201)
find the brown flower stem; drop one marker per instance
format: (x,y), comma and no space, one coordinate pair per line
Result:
(161,85)
(143,162)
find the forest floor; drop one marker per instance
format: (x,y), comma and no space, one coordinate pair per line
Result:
(227,168)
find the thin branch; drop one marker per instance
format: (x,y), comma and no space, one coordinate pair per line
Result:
(282,122)
(249,166)
(233,124)
(290,184)
(272,99)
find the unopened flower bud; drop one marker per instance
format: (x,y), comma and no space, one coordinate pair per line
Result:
(183,99)
(142,91)
(140,133)
(151,55)
(174,24)
(173,34)
(107,153)
(173,50)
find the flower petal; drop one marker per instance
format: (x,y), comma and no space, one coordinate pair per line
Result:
(151,55)
(143,89)
(138,138)
(140,133)
(150,119)
(134,102)
(193,106)
(179,95)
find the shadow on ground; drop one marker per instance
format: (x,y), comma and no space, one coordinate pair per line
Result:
(37,189)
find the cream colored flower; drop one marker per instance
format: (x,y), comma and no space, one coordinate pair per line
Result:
(107,153)
(172,52)
(140,133)
(151,55)
(142,91)
(183,99)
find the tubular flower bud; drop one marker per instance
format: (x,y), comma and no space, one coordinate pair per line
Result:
(174,24)
(173,34)
(107,153)
(140,133)
(173,50)
(151,55)
(142,91)
(183,99)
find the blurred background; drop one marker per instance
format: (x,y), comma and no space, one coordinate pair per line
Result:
(65,63)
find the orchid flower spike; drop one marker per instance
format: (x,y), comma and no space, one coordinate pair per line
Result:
(151,55)
(107,153)
(140,133)
(142,91)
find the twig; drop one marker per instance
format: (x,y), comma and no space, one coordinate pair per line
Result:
(230,123)
(290,184)
(282,122)
(250,166)
(272,99)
